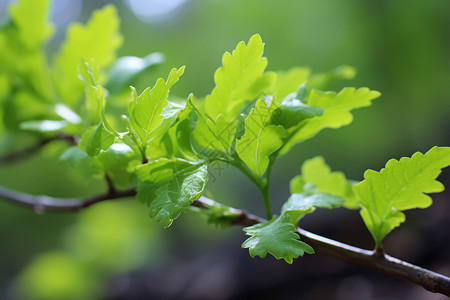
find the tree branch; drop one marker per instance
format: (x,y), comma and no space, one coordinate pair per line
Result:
(430,280)
(24,153)
(44,203)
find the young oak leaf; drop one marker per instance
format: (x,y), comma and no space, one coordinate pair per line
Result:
(32,19)
(401,185)
(276,237)
(288,81)
(205,138)
(218,214)
(317,173)
(178,194)
(114,162)
(146,110)
(169,187)
(101,136)
(300,204)
(99,39)
(322,80)
(260,139)
(292,111)
(127,69)
(240,79)
(337,109)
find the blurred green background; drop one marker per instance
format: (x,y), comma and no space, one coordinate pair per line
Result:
(400,48)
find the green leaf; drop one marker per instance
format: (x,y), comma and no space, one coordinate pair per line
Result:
(102,136)
(260,139)
(288,81)
(98,40)
(146,110)
(293,111)
(203,139)
(170,187)
(127,68)
(317,173)
(276,237)
(322,80)
(240,79)
(32,19)
(155,174)
(299,205)
(188,120)
(114,161)
(220,215)
(401,185)
(336,114)
(95,139)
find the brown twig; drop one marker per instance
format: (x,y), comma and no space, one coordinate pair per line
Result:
(42,203)
(430,280)
(24,153)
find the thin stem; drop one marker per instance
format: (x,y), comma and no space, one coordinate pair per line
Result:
(267,202)
(237,163)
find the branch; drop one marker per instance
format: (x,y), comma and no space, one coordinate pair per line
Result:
(24,153)
(431,281)
(43,203)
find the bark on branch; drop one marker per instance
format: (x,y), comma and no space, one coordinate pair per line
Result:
(24,153)
(430,280)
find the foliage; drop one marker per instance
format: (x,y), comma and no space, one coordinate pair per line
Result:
(401,185)
(164,149)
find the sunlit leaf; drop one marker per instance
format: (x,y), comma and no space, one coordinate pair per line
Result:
(300,204)
(317,175)
(127,68)
(169,187)
(401,185)
(337,113)
(101,136)
(277,237)
(99,40)
(260,139)
(288,81)
(240,79)
(32,20)
(146,110)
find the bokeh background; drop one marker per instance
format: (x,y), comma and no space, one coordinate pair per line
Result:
(113,251)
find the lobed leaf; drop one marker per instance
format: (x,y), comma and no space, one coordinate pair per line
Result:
(114,162)
(260,139)
(240,79)
(99,40)
(101,136)
(300,204)
(337,109)
(293,111)
(401,185)
(32,20)
(220,215)
(146,110)
(287,82)
(277,237)
(169,187)
(317,173)
(127,68)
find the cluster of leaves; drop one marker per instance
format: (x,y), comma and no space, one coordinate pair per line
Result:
(250,118)
(43,94)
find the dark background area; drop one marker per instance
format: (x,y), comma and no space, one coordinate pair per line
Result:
(400,48)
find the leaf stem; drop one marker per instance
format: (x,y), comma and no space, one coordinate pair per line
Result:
(266,195)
